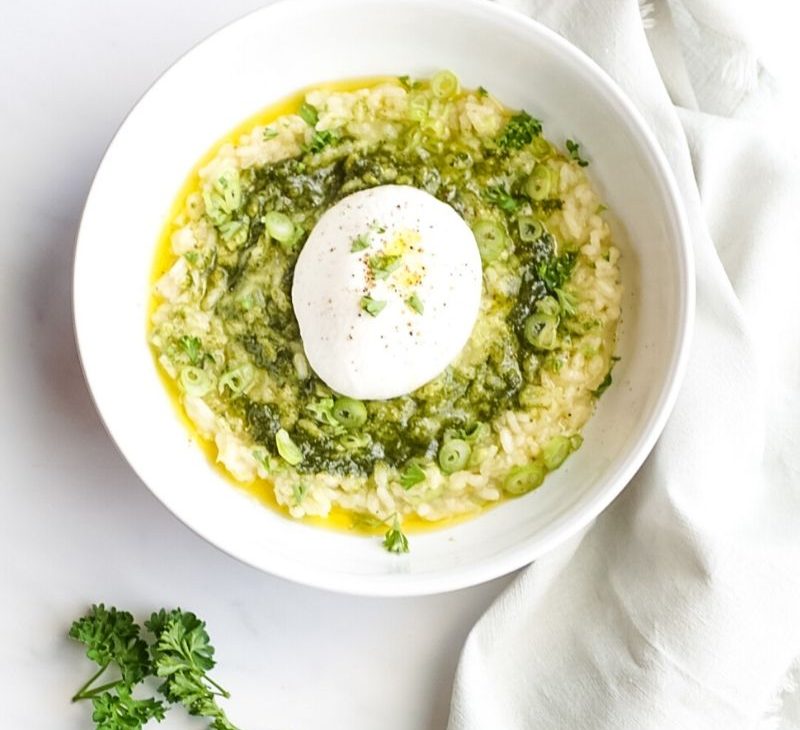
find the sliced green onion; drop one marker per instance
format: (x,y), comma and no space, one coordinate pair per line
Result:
(355,441)
(548,307)
(287,448)
(444,84)
(415,303)
(454,455)
(371,306)
(541,331)
(476,433)
(308,114)
(237,380)
(530,229)
(279,226)
(351,413)
(540,146)
(195,381)
(418,106)
(539,182)
(491,239)
(412,476)
(523,479)
(555,451)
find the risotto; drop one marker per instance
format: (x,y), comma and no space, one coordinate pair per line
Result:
(505,411)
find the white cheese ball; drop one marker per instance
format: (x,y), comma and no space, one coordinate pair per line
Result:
(386,291)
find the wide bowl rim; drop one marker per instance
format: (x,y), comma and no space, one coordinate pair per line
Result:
(525,552)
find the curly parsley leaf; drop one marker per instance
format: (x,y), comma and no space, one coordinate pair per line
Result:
(412,476)
(112,637)
(574,150)
(121,711)
(519,131)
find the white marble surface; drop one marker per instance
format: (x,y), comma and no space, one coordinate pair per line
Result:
(76,525)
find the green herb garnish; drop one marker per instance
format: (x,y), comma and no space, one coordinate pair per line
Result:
(519,131)
(308,114)
(382,265)
(415,303)
(482,91)
(321,140)
(574,150)
(269,133)
(412,476)
(498,195)
(192,347)
(371,306)
(405,81)
(298,492)
(180,654)
(607,381)
(555,272)
(359,243)
(394,540)
(287,448)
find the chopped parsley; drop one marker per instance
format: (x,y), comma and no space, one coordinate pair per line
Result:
(371,306)
(192,347)
(309,114)
(412,476)
(498,195)
(382,265)
(555,272)
(359,243)
(415,303)
(519,131)
(321,140)
(269,133)
(574,150)
(405,81)
(482,91)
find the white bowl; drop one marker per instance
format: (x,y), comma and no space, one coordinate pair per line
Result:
(268,55)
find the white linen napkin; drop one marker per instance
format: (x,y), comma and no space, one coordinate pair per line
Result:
(680,608)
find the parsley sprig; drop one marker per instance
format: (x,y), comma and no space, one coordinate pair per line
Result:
(574,150)
(519,131)
(180,653)
(395,540)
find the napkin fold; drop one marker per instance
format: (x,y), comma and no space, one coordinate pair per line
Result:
(680,607)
